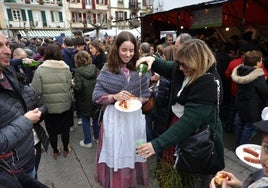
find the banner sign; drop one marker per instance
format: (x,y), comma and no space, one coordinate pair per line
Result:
(209,17)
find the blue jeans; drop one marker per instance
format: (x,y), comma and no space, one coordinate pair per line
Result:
(243,133)
(86,128)
(96,126)
(32,173)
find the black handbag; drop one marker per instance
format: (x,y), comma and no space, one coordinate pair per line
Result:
(197,153)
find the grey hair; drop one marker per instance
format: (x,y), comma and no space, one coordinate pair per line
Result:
(184,37)
(145,47)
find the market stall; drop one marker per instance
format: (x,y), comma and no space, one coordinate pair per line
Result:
(233,16)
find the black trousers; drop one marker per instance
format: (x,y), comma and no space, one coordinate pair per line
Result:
(37,158)
(59,124)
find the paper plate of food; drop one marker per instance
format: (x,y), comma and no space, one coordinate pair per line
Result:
(130,105)
(250,154)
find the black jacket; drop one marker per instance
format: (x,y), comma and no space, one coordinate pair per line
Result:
(252,92)
(15,129)
(68,57)
(160,113)
(99,60)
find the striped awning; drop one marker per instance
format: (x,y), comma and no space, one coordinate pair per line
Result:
(44,33)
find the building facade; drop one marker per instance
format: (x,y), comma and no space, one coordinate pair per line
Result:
(39,18)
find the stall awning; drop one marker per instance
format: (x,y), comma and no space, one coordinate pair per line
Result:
(44,33)
(229,12)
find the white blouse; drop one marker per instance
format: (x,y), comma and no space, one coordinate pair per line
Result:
(177,108)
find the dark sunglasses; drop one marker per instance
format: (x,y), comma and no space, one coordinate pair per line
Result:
(182,65)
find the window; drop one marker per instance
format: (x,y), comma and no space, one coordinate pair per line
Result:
(50,1)
(76,17)
(55,16)
(102,2)
(88,2)
(120,1)
(37,16)
(16,15)
(119,15)
(147,2)
(101,18)
(133,15)
(76,1)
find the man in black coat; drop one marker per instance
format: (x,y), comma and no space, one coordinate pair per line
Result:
(16,123)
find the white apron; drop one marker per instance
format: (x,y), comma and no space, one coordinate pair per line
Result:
(123,131)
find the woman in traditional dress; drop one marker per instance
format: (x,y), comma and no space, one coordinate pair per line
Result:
(118,165)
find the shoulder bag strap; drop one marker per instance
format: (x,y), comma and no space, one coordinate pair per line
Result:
(214,134)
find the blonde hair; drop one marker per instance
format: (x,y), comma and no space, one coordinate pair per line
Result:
(197,56)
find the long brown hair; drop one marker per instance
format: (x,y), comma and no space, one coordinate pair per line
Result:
(98,45)
(114,61)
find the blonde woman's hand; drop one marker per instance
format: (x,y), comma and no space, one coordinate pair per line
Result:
(145,150)
(27,60)
(148,59)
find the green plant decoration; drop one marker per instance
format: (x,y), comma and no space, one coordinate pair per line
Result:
(169,177)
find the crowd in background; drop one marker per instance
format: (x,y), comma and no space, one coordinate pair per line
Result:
(79,60)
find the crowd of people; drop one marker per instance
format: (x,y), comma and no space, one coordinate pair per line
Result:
(87,77)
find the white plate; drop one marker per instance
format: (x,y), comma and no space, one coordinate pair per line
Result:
(134,105)
(241,154)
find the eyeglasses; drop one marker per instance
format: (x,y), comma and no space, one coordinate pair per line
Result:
(182,65)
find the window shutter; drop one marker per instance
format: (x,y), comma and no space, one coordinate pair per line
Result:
(52,16)
(60,15)
(9,14)
(23,14)
(30,14)
(44,20)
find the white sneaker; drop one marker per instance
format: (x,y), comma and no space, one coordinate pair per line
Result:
(96,140)
(79,122)
(89,145)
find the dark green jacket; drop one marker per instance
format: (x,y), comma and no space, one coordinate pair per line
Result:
(85,80)
(199,101)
